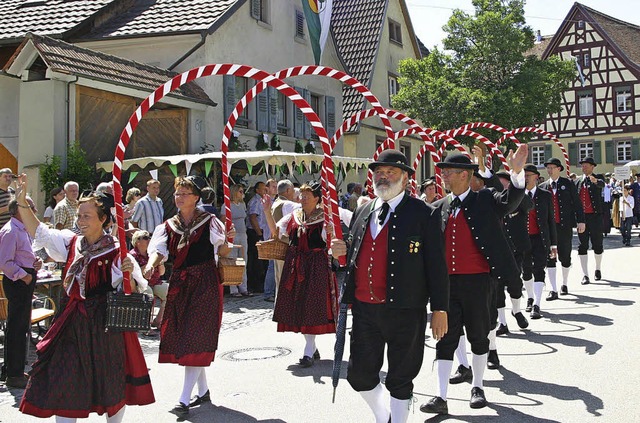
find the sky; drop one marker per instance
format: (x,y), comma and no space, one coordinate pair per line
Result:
(428,16)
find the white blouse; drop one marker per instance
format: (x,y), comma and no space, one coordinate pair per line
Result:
(160,239)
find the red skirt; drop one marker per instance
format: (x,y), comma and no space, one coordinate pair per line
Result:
(307,297)
(192,316)
(83,369)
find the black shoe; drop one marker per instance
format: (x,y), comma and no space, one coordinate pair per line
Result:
(200,400)
(529,305)
(564,290)
(585,280)
(553,295)
(306,361)
(598,275)
(435,405)
(523,323)
(535,312)
(502,330)
(181,410)
(316,355)
(477,398)
(493,362)
(463,374)
(18,382)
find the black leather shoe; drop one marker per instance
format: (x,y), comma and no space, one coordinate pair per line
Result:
(502,330)
(306,361)
(523,323)
(493,362)
(316,355)
(435,405)
(585,280)
(535,312)
(477,398)
(18,382)
(200,400)
(564,290)
(463,374)
(598,275)
(529,305)
(553,295)
(181,410)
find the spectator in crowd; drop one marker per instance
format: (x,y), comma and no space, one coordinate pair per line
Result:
(209,200)
(635,192)
(55,196)
(148,212)
(626,215)
(430,194)
(353,199)
(6,178)
(239,216)
(281,207)
(256,225)
(64,214)
(156,288)
(19,265)
(344,200)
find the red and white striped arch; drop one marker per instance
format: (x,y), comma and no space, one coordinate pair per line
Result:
(549,135)
(493,148)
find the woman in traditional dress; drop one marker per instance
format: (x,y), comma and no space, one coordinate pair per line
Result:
(308,294)
(81,368)
(193,313)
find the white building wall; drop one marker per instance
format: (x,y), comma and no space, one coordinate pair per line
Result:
(9,113)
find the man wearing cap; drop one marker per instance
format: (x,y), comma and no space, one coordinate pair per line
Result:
(475,247)
(589,187)
(542,233)
(395,266)
(568,213)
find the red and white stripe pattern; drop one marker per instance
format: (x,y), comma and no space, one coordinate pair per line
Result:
(493,148)
(493,126)
(547,134)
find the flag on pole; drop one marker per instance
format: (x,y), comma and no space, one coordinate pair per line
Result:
(318,16)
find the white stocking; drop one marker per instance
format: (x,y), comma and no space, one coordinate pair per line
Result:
(492,339)
(528,286)
(584,262)
(310,345)
(203,386)
(375,398)
(400,410)
(598,261)
(538,287)
(501,316)
(478,364)
(191,375)
(515,306)
(444,373)
(461,352)
(551,272)
(117,418)
(565,275)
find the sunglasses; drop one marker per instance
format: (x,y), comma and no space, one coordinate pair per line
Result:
(144,238)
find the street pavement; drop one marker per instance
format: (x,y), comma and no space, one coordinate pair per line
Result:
(578,363)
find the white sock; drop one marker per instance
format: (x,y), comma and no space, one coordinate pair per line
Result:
(584,262)
(191,375)
(551,273)
(117,418)
(400,410)
(444,373)
(565,275)
(515,306)
(310,345)
(60,419)
(461,352)
(203,386)
(538,287)
(492,339)
(598,260)
(375,398)
(501,316)
(478,364)
(528,286)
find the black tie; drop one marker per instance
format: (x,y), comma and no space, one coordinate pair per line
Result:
(455,203)
(383,213)
(531,194)
(554,185)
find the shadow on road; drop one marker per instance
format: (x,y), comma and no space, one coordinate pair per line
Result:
(211,413)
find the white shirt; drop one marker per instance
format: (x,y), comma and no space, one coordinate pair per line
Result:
(374,224)
(627,211)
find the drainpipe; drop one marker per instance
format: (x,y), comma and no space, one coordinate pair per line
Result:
(203,37)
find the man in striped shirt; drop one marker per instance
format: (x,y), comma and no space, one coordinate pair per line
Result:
(149,210)
(64,214)
(6,177)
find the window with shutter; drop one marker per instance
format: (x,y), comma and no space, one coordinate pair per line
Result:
(330,115)
(234,87)
(609,153)
(282,120)
(262,112)
(260,10)
(273,110)
(299,119)
(299,24)
(623,151)
(314,102)
(573,153)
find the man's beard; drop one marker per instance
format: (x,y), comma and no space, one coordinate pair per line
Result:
(387,190)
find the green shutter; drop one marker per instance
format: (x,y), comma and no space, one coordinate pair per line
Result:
(597,152)
(229,83)
(330,112)
(306,94)
(548,151)
(609,152)
(262,111)
(635,149)
(573,153)
(298,125)
(273,110)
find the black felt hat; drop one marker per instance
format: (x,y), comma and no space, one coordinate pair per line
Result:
(393,158)
(198,182)
(457,161)
(589,160)
(504,175)
(554,161)
(530,167)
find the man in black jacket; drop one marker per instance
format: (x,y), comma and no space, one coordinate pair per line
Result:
(568,215)
(475,247)
(542,233)
(589,187)
(395,265)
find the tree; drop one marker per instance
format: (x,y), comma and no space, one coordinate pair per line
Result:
(488,75)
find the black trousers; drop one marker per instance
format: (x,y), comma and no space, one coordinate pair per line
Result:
(469,302)
(20,296)
(256,268)
(565,239)
(514,287)
(402,331)
(535,260)
(593,232)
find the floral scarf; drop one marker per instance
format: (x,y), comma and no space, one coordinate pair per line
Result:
(78,269)
(184,229)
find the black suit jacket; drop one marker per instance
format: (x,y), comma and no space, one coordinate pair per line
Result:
(484,211)
(595,191)
(543,202)
(413,278)
(571,211)
(515,226)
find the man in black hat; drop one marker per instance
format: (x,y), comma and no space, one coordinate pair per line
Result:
(395,266)
(568,214)
(542,233)
(589,187)
(475,246)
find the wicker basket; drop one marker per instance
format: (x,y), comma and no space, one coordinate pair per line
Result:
(232,269)
(272,249)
